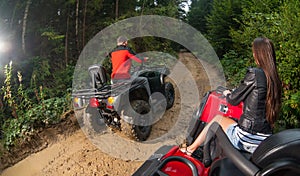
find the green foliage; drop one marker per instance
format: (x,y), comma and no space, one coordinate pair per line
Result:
(6,95)
(107,65)
(24,101)
(197,16)
(7,88)
(222,19)
(254,25)
(62,81)
(145,44)
(234,67)
(288,39)
(279,21)
(48,112)
(41,71)
(233,25)
(290,112)
(28,113)
(14,129)
(53,40)
(170,10)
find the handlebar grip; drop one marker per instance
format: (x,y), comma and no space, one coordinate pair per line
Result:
(220,89)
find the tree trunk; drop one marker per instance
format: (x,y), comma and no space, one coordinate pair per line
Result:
(66,39)
(24,26)
(76,25)
(83,25)
(117,9)
(13,15)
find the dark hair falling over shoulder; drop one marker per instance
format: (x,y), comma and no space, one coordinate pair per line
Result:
(264,55)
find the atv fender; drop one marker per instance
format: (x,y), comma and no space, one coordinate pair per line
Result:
(139,90)
(151,164)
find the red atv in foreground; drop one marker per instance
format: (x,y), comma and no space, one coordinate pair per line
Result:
(278,155)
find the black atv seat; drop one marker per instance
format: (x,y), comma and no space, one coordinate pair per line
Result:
(98,76)
(280,152)
(278,155)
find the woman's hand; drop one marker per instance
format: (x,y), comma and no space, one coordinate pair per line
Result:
(226,92)
(146,59)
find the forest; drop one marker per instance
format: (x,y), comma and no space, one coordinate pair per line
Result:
(40,42)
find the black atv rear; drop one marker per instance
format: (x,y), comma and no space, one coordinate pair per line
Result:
(126,106)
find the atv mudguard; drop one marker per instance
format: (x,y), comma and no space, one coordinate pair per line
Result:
(168,160)
(137,89)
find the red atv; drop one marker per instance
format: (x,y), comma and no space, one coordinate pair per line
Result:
(278,155)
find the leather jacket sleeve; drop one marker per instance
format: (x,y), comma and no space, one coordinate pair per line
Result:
(245,87)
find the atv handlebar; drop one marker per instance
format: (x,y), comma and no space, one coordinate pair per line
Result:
(220,89)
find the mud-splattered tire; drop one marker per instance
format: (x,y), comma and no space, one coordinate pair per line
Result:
(92,120)
(170,94)
(132,131)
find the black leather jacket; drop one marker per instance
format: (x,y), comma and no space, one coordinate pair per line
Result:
(252,91)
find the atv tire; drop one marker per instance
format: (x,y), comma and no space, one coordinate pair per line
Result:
(92,120)
(132,131)
(169,94)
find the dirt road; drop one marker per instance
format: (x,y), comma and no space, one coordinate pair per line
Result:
(84,153)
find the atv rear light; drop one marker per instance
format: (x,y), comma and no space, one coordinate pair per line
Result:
(94,102)
(77,102)
(110,102)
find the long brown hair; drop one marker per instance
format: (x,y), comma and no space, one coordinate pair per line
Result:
(264,55)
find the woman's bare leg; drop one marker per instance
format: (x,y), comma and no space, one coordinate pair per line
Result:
(224,123)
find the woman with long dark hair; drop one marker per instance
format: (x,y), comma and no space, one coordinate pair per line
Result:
(260,91)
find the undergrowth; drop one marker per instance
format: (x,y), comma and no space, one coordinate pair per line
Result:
(27,110)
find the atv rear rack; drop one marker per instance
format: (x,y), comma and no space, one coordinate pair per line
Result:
(103,92)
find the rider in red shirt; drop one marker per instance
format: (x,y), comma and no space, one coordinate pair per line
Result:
(121,58)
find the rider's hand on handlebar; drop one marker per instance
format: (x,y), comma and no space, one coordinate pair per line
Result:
(226,92)
(146,59)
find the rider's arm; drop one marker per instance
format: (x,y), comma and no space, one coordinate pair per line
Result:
(133,57)
(245,87)
(131,54)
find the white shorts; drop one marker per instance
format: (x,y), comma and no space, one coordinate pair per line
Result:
(243,140)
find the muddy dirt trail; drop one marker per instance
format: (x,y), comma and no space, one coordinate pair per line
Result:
(84,153)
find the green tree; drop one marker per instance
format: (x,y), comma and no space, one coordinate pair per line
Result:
(223,18)
(279,21)
(197,16)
